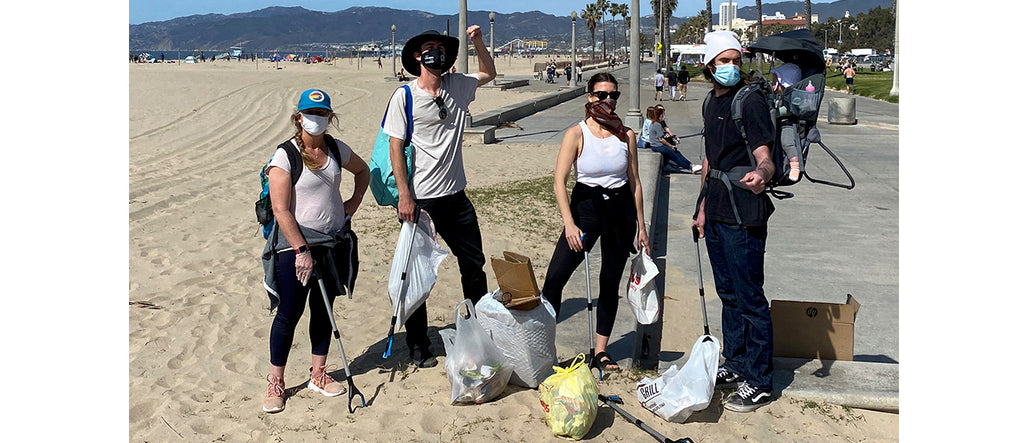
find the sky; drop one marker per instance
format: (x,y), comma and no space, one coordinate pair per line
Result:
(141,11)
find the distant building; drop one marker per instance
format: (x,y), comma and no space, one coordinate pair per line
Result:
(725,14)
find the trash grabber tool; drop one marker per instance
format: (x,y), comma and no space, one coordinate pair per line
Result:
(614,401)
(590,311)
(352,390)
(700,282)
(401,297)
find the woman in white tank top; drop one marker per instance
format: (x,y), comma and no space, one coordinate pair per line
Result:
(606,204)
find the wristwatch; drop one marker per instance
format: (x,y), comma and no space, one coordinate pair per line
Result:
(301,249)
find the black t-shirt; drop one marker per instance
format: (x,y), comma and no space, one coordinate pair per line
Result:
(725,150)
(684,76)
(671,78)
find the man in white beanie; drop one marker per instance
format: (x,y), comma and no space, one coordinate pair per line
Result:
(732,216)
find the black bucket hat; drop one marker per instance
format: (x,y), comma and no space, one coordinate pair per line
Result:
(451,50)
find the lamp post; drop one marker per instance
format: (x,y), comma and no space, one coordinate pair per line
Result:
(573,72)
(394,73)
(633,117)
(491,16)
(462,60)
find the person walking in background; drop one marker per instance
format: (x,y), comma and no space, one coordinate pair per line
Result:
(684,78)
(310,214)
(732,216)
(606,204)
(659,85)
(849,72)
(672,83)
(439,109)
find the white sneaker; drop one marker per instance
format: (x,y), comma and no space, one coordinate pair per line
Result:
(696,168)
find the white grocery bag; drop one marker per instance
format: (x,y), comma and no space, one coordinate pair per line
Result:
(424,258)
(475,367)
(643,292)
(681,392)
(525,338)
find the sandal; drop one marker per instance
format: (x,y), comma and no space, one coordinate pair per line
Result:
(602,360)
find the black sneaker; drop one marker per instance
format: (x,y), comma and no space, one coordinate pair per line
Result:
(726,379)
(747,398)
(422,357)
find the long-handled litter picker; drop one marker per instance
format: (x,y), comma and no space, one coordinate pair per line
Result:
(352,390)
(401,296)
(590,312)
(614,401)
(700,284)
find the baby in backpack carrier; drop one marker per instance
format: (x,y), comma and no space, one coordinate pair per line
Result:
(783,77)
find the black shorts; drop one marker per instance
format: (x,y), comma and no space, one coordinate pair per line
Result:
(849,80)
(659,88)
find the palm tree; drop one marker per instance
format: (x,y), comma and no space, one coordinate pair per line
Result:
(591,15)
(759,30)
(602,6)
(709,15)
(664,7)
(617,9)
(807,12)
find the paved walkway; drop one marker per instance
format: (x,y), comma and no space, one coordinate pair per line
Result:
(824,243)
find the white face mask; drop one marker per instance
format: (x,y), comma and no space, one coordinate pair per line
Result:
(314,124)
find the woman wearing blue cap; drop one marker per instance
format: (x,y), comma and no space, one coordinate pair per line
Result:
(312,223)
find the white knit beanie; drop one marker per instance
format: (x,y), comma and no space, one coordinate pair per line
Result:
(718,42)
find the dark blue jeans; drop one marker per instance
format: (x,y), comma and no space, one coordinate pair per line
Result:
(736,254)
(455,220)
(671,154)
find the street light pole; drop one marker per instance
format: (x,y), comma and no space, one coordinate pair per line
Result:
(463,40)
(633,117)
(573,72)
(491,16)
(394,73)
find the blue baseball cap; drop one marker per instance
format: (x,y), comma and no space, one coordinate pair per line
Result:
(314,98)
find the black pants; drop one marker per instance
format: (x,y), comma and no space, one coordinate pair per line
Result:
(613,221)
(455,220)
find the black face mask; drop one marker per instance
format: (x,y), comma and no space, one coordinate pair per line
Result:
(433,58)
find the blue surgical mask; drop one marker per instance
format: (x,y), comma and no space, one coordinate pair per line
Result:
(727,75)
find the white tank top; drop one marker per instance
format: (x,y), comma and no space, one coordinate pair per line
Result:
(603,161)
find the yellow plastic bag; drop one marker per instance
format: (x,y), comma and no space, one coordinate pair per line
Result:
(569,399)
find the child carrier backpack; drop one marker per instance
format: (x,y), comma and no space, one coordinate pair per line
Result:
(794,113)
(382,177)
(264,209)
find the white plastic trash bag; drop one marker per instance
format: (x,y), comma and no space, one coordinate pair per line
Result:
(525,338)
(681,392)
(476,368)
(424,258)
(643,292)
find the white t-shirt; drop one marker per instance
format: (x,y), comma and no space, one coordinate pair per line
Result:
(437,168)
(603,161)
(659,80)
(316,197)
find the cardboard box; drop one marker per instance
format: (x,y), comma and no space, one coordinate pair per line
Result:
(516,280)
(814,330)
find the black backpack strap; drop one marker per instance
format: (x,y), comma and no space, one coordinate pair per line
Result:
(294,159)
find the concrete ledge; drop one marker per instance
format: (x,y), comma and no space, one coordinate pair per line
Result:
(528,107)
(856,384)
(506,84)
(479,135)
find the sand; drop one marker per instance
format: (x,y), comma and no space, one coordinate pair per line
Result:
(198,315)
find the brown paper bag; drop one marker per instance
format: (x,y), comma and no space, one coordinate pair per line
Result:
(516,280)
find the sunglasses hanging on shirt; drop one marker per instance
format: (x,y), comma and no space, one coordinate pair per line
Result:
(442,112)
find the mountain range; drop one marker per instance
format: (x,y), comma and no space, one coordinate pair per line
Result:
(297,28)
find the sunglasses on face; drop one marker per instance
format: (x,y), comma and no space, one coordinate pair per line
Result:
(442,112)
(601,95)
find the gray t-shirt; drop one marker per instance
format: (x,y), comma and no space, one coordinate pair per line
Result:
(656,132)
(437,168)
(316,198)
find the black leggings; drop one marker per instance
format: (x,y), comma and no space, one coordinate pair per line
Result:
(293,301)
(594,216)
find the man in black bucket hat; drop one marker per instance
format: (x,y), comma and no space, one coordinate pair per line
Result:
(440,104)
